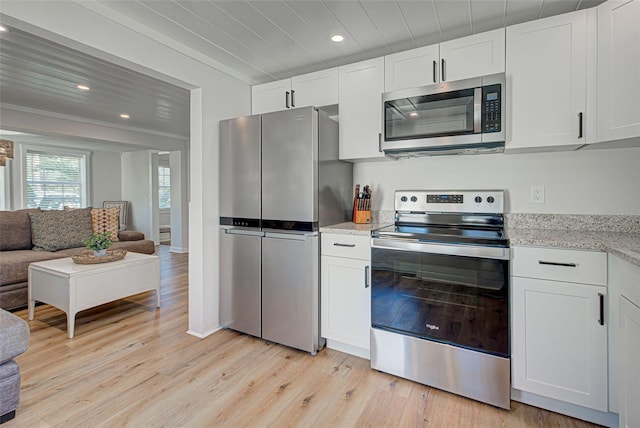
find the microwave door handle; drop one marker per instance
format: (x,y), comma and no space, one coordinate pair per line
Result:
(477,110)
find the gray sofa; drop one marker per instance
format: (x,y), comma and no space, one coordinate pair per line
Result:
(14,339)
(16,254)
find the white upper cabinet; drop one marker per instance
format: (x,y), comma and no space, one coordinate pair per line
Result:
(472,56)
(409,69)
(272,96)
(547,83)
(360,101)
(313,89)
(618,70)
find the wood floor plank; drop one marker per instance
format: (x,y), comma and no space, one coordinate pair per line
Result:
(132,365)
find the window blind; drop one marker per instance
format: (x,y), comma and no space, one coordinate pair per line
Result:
(164,187)
(54,180)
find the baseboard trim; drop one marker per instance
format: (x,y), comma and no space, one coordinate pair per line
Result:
(575,411)
(205,334)
(179,250)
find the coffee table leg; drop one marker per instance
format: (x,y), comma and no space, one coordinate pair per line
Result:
(71,322)
(158,296)
(32,305)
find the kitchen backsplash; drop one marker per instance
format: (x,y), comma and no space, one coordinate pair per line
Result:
(600,223)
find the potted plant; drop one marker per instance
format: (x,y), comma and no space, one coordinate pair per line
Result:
(99,242)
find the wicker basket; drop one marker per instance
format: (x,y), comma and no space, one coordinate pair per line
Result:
(90,259)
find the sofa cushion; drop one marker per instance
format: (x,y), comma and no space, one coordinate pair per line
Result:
(15,229)
(130,235)
(106,220)
(57,230)
(14,264)
(14,336)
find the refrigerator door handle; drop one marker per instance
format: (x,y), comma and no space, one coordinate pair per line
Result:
(244,232)
(291,236)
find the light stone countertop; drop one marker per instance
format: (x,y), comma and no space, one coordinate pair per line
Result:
(350,228)
(621,244)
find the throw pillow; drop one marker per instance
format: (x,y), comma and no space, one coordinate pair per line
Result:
(15,229)
(57,230)
(106,220)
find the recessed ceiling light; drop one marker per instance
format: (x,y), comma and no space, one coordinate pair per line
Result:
(413,114)
(3,29)
(83,87)
(337,38)
(124,115)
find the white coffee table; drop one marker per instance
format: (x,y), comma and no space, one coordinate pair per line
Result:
(73,287)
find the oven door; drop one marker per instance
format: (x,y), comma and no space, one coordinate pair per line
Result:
(458,300)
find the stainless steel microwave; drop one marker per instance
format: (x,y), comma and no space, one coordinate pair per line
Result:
(460,117)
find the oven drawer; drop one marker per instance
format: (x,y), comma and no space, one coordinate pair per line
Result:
(351,246)
(578,266)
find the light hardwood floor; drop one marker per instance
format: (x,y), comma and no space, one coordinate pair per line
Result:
(132,365)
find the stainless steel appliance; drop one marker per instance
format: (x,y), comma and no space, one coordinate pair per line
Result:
(280,180)
(461,117)
(440,293)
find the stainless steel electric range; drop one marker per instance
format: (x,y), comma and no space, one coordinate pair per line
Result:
(440,293)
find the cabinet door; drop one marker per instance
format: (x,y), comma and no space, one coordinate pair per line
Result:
(546,83)
(559,346)
(629,358)
(315,89)
(618,70)
(473,56)
(346,302)
(416,67)
(360,103)
(272,96)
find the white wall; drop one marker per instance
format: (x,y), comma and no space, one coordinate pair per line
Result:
(603,181)
(105,178)
(99,31)
(179,209)
(137,189)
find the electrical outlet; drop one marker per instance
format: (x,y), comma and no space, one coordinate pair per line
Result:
(537,194)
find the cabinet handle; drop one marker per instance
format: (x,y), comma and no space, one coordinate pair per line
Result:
(286,100)
(366,277)
(293,100)
(435,65)
(601,319)
(542,262)
(442,74)
(337,244)
(580,125)
(380,142)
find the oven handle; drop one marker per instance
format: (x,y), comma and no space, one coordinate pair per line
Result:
(446,249)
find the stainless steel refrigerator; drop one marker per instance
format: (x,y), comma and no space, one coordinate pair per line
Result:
(280,180)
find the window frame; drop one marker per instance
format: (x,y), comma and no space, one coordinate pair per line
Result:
(85,167)
(164,187)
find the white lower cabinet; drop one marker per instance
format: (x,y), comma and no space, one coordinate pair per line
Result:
(629,403)
(345,294)
(624,341)
(559,328)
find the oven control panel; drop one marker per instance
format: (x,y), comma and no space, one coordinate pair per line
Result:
(463,201)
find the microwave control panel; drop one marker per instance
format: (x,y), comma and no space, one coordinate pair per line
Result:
(491,108)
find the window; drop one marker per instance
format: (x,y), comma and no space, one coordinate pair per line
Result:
(54,179)
(164,187)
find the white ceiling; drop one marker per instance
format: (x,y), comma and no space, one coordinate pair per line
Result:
(259,41)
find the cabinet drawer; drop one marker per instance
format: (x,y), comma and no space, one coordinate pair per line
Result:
(579,266)
(351,246)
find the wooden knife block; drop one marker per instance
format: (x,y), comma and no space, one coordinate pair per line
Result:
(359,215)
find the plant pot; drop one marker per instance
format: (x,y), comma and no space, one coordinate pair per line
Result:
(100,253)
